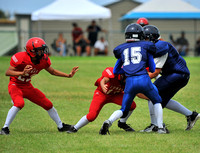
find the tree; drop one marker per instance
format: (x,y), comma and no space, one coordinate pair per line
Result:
(2,15)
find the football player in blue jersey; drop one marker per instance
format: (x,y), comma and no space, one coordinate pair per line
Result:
(135,55)
(174,76)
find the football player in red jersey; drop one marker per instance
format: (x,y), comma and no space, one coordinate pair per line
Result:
(23,66)
(110,89)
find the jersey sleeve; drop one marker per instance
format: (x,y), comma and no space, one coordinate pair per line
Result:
(117,52)
(162,48)
(151,48)
(16,60)
(108,72)
(118,67)
(48,62)
(151,63)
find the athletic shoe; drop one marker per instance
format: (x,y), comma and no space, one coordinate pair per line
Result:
(150,128)
(5,131)
(164,126)
(104,129)
(64,128)
(162,130)
(125,126)
(191,120)
(72,130)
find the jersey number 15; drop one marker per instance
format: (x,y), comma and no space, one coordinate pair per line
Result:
(135,55)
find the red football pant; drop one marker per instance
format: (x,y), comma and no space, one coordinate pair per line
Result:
(100,99)
(18,92)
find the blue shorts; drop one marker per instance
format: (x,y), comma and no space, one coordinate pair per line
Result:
(135,85)
(169,85)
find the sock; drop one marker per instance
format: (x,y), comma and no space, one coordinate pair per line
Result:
(116,115)
(11,115)
(158,114)
(152,113)
(177,107)
(54,116)
(82,122)
(123,120)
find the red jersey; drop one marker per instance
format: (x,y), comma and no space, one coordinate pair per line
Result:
(114,85)
(20,60)
(76,33)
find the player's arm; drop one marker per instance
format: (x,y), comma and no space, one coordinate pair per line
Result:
(55,72)
(159,61)
(142,96)
(118,67)
(12,71)
(151,63)
(104,85)
(155,74)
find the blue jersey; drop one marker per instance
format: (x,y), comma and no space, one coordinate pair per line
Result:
(135,56)
(174,63)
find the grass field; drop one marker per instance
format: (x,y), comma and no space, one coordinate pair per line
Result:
(33,131)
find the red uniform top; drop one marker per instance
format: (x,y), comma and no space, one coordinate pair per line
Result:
(114,85)
(76,33)
(20,60)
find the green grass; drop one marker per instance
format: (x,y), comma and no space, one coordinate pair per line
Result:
(34,131)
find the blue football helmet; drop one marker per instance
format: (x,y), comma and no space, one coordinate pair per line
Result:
(134,32)
(151,32)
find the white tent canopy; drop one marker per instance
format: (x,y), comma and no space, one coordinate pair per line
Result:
(71,10)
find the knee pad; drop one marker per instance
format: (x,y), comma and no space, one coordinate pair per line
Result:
(91,116)
(46,104)
(19,104)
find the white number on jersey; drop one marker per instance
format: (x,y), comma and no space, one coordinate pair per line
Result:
(136,56)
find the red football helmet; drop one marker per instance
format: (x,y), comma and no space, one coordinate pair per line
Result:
(142,21)
(34,44)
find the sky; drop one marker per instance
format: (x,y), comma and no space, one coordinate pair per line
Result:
(28,6)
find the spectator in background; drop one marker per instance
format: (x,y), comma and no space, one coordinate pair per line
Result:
(182,44)
(93,31)
(61,45)
(80,43)
(197,47)
(101,47)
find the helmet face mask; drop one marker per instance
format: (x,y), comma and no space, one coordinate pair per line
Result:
(134,32)
(151,33)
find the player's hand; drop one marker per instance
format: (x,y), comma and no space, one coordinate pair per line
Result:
(105,88)
(74,70)
(27,69)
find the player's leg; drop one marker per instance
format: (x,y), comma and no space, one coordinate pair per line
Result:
(128,97)
(98,101)
(18,101)
(37,97)
(153,95)
(168,89)
(117,99)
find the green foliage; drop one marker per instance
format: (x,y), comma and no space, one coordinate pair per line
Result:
(2,15)
(34,131)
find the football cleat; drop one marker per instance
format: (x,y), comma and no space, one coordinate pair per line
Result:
(5,131)
(125,126)
(191,120)
(162,130)
(150,128)
(64,128)
(164,126)
(72,130)
(105,128)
